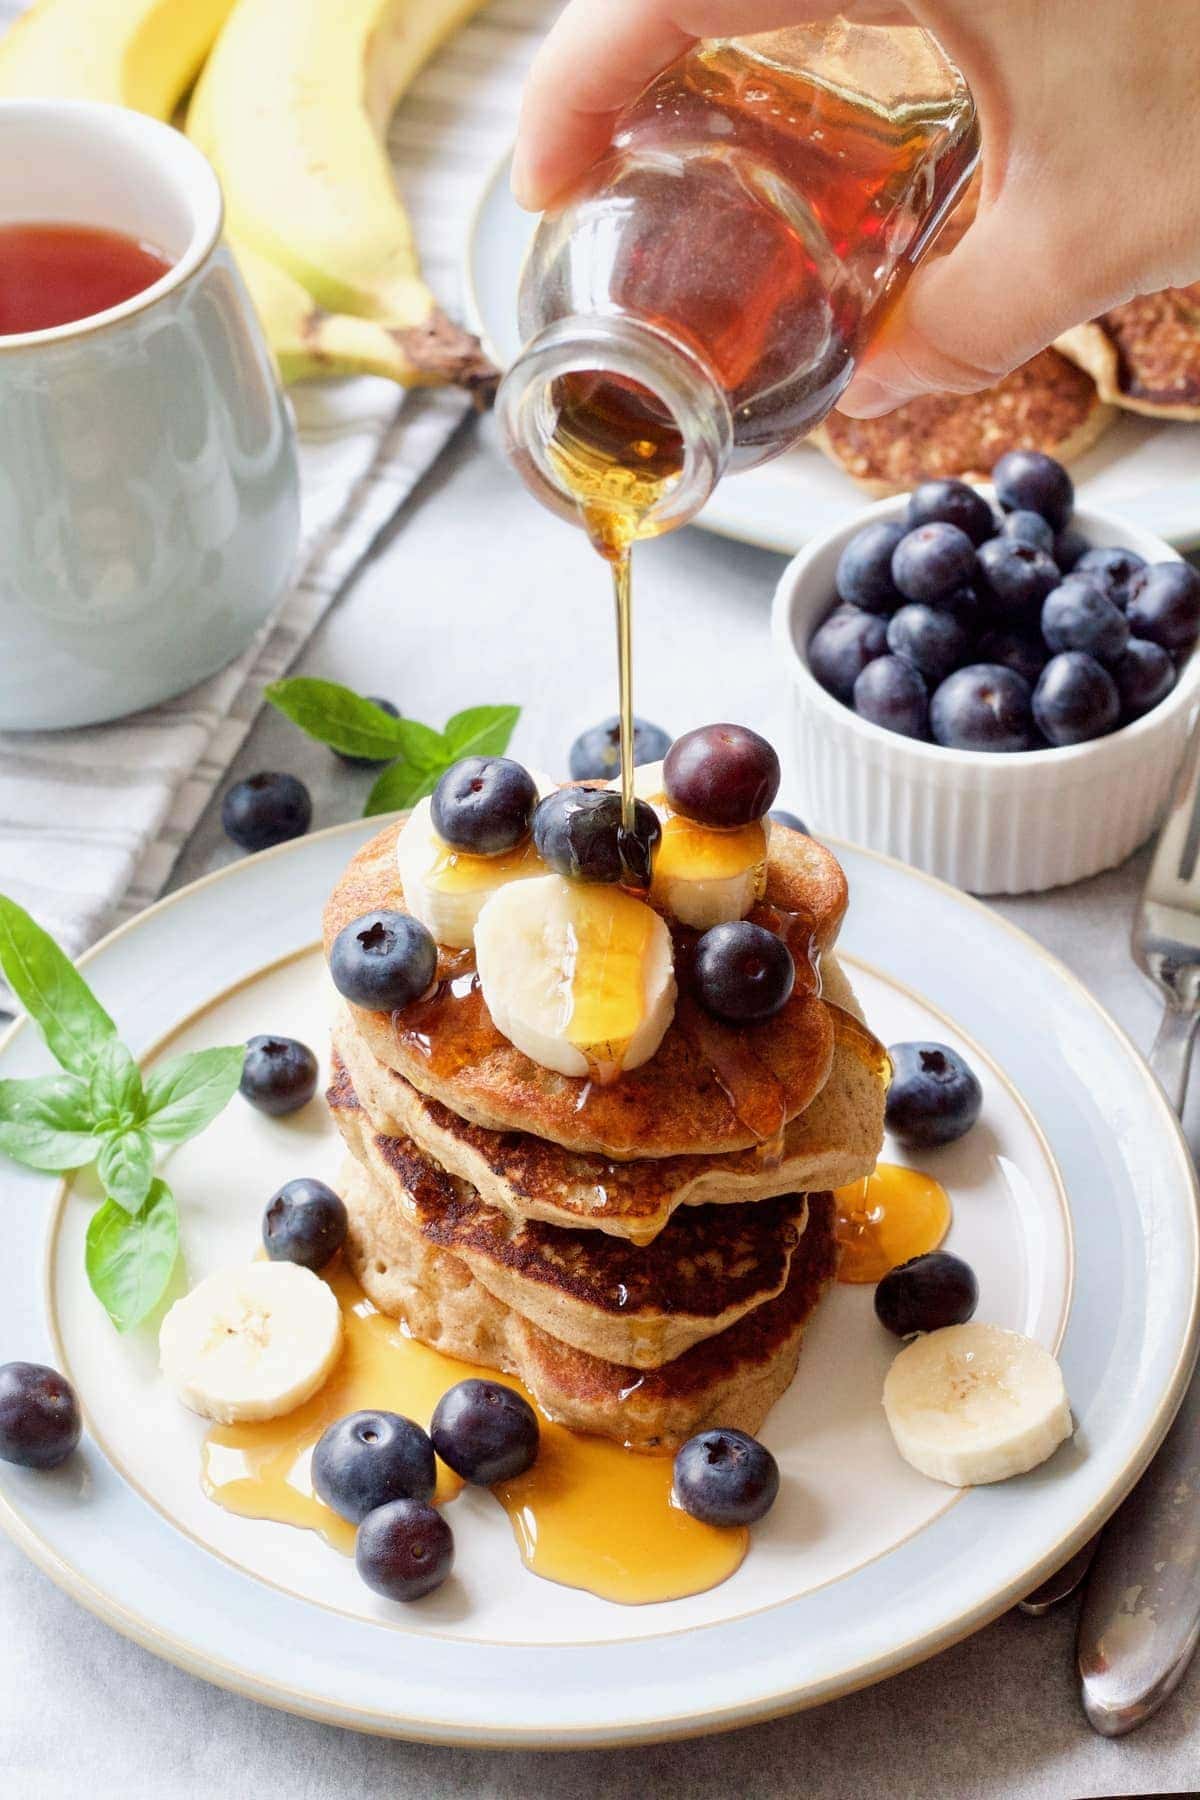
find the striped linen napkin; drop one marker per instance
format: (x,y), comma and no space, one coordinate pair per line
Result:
(91,821)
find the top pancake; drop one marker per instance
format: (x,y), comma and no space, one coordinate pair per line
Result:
(675,1104)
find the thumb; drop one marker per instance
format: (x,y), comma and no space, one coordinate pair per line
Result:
(970,317)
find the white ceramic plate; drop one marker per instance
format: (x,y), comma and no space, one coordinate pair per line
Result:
(1145,470)
(1073,1200)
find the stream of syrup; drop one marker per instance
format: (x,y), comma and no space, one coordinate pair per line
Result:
(589,1514)
(886,1218)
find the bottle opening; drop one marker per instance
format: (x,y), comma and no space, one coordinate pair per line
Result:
(616,426)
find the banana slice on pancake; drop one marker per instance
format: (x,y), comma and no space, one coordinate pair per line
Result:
(702,877)
(447,890)
(579,977)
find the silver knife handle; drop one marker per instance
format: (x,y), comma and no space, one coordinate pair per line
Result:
(1171,1056)
(1141,1614)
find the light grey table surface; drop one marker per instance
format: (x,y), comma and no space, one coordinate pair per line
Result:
(480,596)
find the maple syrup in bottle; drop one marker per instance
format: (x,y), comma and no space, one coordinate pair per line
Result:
(699,301)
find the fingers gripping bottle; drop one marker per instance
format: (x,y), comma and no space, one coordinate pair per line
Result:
(699,301)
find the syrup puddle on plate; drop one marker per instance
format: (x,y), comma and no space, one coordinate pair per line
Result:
(589,1514)
(886,1218)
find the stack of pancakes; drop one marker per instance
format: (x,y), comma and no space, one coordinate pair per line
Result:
(640,1255)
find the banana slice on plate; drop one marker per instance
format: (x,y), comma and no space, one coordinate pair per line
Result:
(974,1403)
(579,977)
(702,877)
(445,889)
(251,1343)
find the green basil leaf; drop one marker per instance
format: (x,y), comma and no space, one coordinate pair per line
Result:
(129,1260)
(44,1122)
(53,992)
(424,747)
(337,716)
(186,1094)
(400,787)
(115,1089)
(481,730)
(125,1166)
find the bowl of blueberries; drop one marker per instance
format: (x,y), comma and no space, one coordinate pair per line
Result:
(989,684)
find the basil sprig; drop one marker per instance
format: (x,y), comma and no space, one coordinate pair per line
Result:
(100,1110)
(417,755)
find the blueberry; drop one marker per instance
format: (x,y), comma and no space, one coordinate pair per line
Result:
(279,1075)
(266,809)
(383,961)
(369,1458)
(596,753)
(721,775)
(1022,651)
(578,833)
(792,820)
(982,707)
(305,1223)
(1028,481)
(935,1096)
(725,1477)
(1144,676)
(370,762)
(1069,546)
(1018,577)
(483,804)
(926,1293)
(932,561)
(951,503)
(39,1416)
(931,639)
(1030,528)
(404,1549)
(1079,616)
(967,605)
(1112,569)
(1164,605)
(891,693)
(485,1432)
(840,649)
(1075,699)
(743,972)
(864,571)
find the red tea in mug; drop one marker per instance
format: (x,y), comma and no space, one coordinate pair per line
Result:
(55,274)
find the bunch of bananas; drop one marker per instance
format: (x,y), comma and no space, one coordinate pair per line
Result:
(291,107)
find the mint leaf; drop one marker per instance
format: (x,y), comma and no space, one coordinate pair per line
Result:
(481,731)
(115,1089)
(186,1094)
(53,992)
(337,716)
(129,1260)
(125,1166)
(424,747)
(44,1122)
(400,787)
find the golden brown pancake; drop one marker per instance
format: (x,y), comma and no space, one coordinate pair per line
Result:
(678,1103)
(836,1140)
(638,1306)
(732,1379)
(1144,356)
(1047,404)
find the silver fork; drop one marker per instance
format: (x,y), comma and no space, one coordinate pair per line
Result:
(1140,1621)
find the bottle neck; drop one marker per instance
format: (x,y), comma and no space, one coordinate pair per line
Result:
(538,435)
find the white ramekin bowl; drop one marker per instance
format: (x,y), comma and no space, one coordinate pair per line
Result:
(994,824)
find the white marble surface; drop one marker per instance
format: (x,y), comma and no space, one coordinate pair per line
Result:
(481,597)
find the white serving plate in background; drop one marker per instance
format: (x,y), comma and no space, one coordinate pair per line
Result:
(1074,1199)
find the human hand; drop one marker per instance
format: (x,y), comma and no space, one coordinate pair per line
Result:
(1091,158)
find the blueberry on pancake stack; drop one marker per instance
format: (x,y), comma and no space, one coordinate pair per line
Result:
(596,1073)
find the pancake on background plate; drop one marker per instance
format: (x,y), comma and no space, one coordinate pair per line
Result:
(1047,404)
(1145,356)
